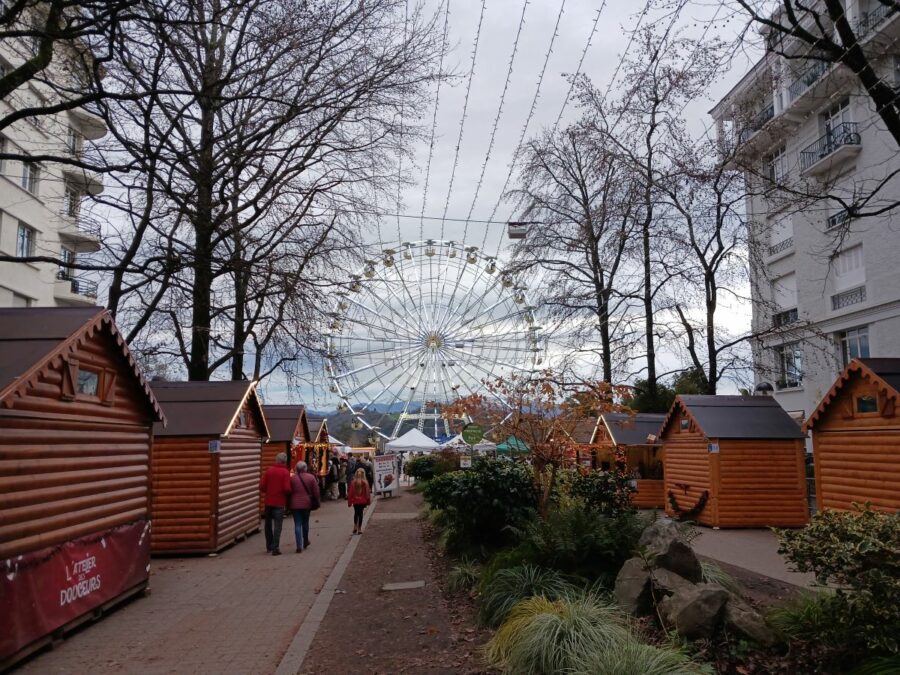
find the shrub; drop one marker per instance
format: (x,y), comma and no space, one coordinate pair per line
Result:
(857,552)
(630,657)
(581,542)
(605,492)
(542,635)
(481,503)
(511,585)
(809,616)
(463,577)
(426,467)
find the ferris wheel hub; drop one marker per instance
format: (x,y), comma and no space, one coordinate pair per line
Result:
(433,341)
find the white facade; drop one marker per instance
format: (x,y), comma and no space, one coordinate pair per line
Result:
(811,127)
(41,203)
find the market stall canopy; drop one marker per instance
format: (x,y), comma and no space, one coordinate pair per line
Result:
(455,442)
(512,446)
(412,441)
(485,446)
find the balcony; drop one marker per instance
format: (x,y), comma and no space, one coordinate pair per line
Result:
(838,145)
(847,298)
(75,290)
(781,247)
(807,78)
(868,21)
(755,123)
(81,232)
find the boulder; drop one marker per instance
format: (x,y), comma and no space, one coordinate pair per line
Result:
(695,611)
(663,540)
(632,589)
(746,621)
(667,582)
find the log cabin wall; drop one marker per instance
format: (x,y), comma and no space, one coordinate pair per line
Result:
(238,480)
(760,483)
(73,464)
(184,495)
(857,454)
(687,469)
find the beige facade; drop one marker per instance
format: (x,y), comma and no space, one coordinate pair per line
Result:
(801,127)
(42,211)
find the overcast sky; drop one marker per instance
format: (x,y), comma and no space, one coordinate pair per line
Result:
(500,22)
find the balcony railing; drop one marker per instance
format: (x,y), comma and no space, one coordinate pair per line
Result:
(757,122)
(869,20)
(808,77)
(775,249)
(847,298)
(843,134)
(79,285)
(84,225)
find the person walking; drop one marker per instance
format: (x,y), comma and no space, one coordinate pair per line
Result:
(359,496)
(305,497)
(366,466)
(342,478)
(275,484)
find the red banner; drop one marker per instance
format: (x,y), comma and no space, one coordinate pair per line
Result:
(46,589)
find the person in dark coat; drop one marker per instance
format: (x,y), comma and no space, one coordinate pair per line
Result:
(275,484)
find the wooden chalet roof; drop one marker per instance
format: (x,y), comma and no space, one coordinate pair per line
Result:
(283,419)
(584,430)
(32,338)
(318,429)
(736,417)
(206,408)
(885,373)
(625,429)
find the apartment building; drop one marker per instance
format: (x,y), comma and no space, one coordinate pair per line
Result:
(799,126)
(41,203)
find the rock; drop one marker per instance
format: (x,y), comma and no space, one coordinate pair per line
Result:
(695,611)
(632,589)
(743,619)
(667,582)
(663,541)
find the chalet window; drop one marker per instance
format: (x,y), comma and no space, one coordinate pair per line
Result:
(867,404)
(242,419)
(685,424)
(25,240)
(854,344)
(88,383)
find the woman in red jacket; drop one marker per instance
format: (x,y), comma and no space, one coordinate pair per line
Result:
(359,497)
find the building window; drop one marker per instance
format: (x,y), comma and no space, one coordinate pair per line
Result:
(74,142)
(25,241)
(67,259)
(854,344)
(21,300)
(849,268)
(786,317)
(790,366)
(777,165)
(834,118)
(30,176)
(4,148)
(72,201)
(88,382)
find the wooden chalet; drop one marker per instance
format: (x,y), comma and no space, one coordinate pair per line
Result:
(582,434)
(76,422)
(856,437)
(634,439)
(315,452)
(734,461)
(288,431)
(205,468)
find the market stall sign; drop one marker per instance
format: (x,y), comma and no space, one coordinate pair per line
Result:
(472,433)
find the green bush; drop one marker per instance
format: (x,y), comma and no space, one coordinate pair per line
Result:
(426,467)
(509,586)
(605,492)
(463,577)
(481,504)
(542,635)
(630,657)
(808,617)
(858,553)
(713,574)
(581,542)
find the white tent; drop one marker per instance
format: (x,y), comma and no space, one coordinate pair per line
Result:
(455,442)
(412,441)
(341,446)
(484,446)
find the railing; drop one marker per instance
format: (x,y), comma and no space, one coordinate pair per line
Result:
(781,246)
(808,77)
(848,298)
(757,122)
(84,225)
(845,133)
(79,285)
(870,19)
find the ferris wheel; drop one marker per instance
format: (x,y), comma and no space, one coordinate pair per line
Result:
(422,324)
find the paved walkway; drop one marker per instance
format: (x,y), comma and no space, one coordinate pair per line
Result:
(754,550)
(234,613)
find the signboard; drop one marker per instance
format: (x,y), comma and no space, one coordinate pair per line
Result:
(586,461)
(472,433)
(465,462)
(713,447)
(385,473)
(46,589)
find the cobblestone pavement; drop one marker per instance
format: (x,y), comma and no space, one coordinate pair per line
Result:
(233,613)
